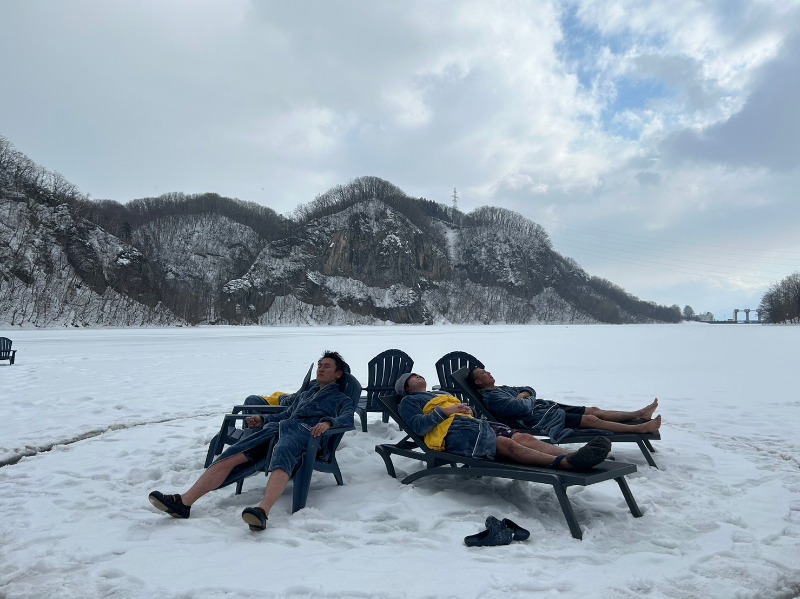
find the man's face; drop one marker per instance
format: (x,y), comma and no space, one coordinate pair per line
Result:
(483,378)
(415,384)
(326,372)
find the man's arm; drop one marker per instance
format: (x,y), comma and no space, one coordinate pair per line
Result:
(260,420)
(504,402)
(410,409)
(344,414)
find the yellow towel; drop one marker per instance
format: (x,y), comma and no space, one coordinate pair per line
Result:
(274,399)
(435,438)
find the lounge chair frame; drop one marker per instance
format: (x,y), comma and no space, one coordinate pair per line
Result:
(439,463)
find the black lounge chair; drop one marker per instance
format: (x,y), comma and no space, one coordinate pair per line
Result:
(475,399)
(6,353)
(320,454)
(440,463)
(384,370)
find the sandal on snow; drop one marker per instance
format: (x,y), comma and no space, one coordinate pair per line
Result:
(255,518)
(171,504)
(519,533)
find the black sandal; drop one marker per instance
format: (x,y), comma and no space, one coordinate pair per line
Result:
(255,517)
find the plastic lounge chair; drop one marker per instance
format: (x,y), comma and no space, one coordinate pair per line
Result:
(229,433)
(475,399)
(384,370)
(448,364)
(440,463)
(6,353)
(320,454)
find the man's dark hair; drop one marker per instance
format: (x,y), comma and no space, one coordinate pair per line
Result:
(471,378)
(336,357)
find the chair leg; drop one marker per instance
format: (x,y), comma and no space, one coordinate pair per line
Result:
(629,499)
(643,446)
(337,474)
(302,482)
(569,514)
(385,454)
(362,414)
(212,451)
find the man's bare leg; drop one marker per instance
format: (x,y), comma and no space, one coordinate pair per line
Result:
(276,485)
(212,478)
(517,452)
(589,421)
(533,443)
(646,413)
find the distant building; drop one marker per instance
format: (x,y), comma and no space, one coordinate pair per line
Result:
(707,317)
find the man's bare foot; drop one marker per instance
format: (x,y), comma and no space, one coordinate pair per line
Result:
(651,426)
(647,412)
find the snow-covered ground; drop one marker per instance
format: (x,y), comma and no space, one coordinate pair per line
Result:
(721,515)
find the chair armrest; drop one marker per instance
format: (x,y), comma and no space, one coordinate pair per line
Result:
(314,442)
(265,409)
(340,429)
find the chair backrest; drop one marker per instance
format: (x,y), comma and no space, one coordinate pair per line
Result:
(351,387)
(383,371)
(451,362)
(5,344)
(307,381)
(391,404)
(473,396)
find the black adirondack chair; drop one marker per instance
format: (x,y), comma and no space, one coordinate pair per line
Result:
(475,399)
(440,463)
(384,370)
(448,364)
(232,430)
(320,454)
(6,353)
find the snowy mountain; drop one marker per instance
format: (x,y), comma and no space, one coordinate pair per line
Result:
(362,253)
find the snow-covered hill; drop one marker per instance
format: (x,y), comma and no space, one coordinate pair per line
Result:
(363,253)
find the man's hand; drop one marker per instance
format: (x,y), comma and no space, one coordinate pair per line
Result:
(254,421)
(461,408)
(320,428)
(524,395)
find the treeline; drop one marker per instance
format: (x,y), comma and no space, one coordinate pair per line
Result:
(509,221)
(781,303)
(419,211)
(608,298)
(122,219)
(23,175)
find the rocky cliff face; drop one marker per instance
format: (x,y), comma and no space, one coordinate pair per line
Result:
(356,260)
(59,270)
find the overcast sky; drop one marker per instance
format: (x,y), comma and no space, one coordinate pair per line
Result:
(658,143)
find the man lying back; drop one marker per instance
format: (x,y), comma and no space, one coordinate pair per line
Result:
(520,408)
(449,425)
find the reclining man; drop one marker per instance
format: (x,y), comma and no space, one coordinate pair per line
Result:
(311,412)
(449,425)
(518,407)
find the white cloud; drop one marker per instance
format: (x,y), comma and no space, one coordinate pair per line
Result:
(674,118)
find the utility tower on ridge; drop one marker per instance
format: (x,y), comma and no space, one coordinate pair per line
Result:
(455,200)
